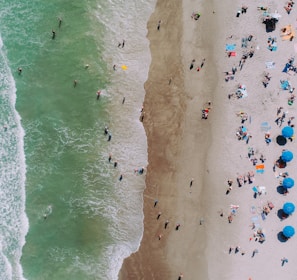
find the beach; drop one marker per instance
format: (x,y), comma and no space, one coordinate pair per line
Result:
(213,232)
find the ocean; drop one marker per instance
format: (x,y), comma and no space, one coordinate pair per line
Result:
(71,201)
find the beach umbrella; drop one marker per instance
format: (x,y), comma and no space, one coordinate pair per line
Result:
(288,231)
(289,208)
(287,131)
(287,156)
(288,183)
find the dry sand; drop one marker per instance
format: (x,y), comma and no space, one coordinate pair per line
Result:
(181,146)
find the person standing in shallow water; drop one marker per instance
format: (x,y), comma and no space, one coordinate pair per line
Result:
(53,34)
(60,22)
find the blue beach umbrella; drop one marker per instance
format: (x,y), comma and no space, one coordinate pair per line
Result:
(287,156)
(288,183)
(289,208)
(287,131)
(288,231)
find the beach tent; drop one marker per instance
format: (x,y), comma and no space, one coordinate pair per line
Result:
(270,24)
(289,208)
(288,231)
(288,183)
(287,131)
(287,156)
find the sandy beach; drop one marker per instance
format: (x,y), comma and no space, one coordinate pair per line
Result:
(238,68)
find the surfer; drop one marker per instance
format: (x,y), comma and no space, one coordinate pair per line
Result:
(60,22)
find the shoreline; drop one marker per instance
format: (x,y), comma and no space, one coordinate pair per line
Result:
(210,152)
(172,106)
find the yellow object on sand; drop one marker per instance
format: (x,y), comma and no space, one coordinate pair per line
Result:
(287,33)
(124,67)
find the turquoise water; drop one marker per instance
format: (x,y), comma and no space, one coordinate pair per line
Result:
(67,215)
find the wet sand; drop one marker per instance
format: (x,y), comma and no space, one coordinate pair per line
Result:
(177,144)
(182,146)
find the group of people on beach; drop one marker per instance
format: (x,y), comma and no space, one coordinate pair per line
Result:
(255,156)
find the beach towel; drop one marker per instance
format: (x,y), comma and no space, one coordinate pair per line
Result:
(230,47)
(286,67)
(255,189)
(255,218)
(262,189)
(270,64)
(265,126)
(288,33)
(285,85)
(260,166)
(260,171)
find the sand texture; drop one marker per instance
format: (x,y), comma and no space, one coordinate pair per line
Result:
(182,146)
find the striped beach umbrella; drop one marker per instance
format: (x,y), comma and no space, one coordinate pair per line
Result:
(288,231)
(289,208)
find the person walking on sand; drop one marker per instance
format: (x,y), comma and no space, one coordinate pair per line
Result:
(180,276)
(166,224)
(202,63)
(156,202)
(192,64)
(177,226)
(124,99)
(284,260)
(123,43)
(255,252)
(159,25)
(191,182)
(159,215)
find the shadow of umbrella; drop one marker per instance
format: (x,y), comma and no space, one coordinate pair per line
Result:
(281,189)
(280,163)
(281,237)
(282,215)
(281,140)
